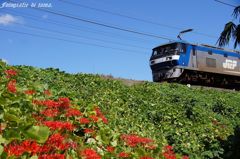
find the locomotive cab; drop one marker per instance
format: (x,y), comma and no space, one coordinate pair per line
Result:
(165,60)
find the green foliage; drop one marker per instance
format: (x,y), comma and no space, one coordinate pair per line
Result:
(194,120)
(38,133)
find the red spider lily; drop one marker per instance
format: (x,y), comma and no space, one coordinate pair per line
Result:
(52,156)
(134,140)
(110,149)
(123,155)
(64,102)
(72,145)
(185,157)
(55,142)
(50,104)
(84,121)
(88,131)
(50,112)
(56,125)
(104,119)
(98,111)
(10,73)
(94,118)
(90,154)
(146,157)
(30,92)
(47,103)
(37,117)
(73,112)
(61,103)
(28,146)
(169,153)
(11,86)
(47,92)
(14,150)
(100,115)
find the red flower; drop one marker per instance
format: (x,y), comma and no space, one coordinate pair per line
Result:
(64,102)
(72,145)
(11,86)
(104,119)
(134,140)
(28,146)
(61,103)
(94,118)
(90,154)
(146,157)
(55,142)
(123,155)
(54,125)
(47,92)
(98,111)
(73,112)
(37,117)
(110,149)
(169,153)
(84,120)
(185,157)
(14,150)
(50,112)
(47,103)
(52,156)
(88,131)
(30,92)
(100,115)
(168,148)
(10,73)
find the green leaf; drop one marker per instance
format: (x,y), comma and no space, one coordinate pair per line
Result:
(34,157)
(38,133)
(2,140)
(114,143)
(1,149)
(12,134)
(11,117)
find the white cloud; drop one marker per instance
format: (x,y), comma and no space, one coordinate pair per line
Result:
(7,19)
(4,60)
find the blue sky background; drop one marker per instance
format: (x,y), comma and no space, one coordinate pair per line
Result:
(120,54)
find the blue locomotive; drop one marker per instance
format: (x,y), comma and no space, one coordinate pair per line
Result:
(190,63)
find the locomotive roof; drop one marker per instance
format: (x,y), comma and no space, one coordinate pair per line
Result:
(201,45)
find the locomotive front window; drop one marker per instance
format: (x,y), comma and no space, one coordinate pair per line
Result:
(182,48)
(170,49)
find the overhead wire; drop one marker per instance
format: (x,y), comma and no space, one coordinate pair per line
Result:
(77,27)
(72,41)
(100,24)
(106,25)
(225,3)
(135,18)
(78,36)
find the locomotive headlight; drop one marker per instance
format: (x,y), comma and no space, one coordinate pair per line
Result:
(152,62)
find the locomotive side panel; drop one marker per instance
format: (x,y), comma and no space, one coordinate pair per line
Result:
(214,62)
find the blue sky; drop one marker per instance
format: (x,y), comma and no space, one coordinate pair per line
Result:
(88,48)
